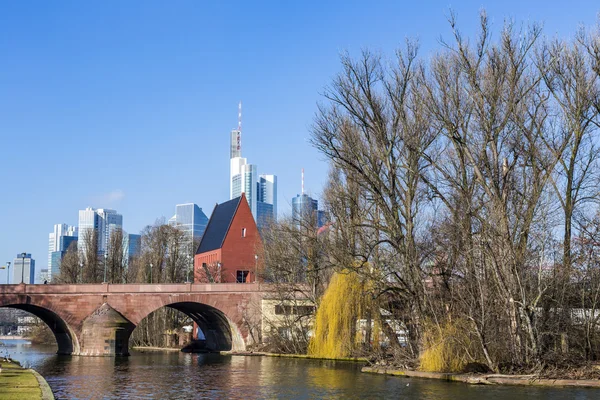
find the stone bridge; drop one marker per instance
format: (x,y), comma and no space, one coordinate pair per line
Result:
(98,319)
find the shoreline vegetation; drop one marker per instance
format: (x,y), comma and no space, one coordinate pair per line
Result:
(463,218)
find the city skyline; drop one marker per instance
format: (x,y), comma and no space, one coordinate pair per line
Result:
(130,106)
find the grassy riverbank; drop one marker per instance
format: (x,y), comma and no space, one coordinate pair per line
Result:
(20,383)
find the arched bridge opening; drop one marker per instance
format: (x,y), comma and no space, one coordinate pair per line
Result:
(218,332)
(66,339)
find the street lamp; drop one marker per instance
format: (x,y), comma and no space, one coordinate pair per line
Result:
(255,266)
(7,272)
(150,272)
(190,260)
(23,256)
(105,258)
(80,272)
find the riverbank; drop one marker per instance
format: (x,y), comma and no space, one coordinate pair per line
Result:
(305,356)
(17,382)
(149,348)
(486,379)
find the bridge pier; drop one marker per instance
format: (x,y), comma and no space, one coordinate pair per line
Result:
(105,333)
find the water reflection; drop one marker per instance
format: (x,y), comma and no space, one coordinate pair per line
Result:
(174,375)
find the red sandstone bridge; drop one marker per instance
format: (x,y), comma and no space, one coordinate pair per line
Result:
(97,319)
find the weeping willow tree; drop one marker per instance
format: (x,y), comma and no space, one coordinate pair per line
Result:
(343,304)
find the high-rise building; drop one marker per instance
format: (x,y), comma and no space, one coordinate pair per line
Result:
(191,219)
(103,221)
(23,269)
(133,245)
(266,207)
(56,244)
(243,178)
(63,245)
(304,207)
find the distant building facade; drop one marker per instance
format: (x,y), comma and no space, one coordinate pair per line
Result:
(191,219)
(103,221)
(304,207)
(58,244)
(133,244)
(266,207)
(64,244)
(23,268)
(244,178)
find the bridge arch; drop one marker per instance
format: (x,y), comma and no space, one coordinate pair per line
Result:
(221,332)
(66,339)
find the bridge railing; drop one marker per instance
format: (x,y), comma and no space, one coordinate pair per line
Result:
(87,288)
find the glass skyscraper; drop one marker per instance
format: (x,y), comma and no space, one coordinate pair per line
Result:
(191,219)
(305,207)
(243,178)
(266,207)
(133,245)
(59,241)
(104,221)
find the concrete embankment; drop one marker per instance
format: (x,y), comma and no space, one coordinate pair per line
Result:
(486,379)
(20,383)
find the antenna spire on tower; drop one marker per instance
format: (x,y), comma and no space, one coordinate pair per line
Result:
(302,180)
(240,116)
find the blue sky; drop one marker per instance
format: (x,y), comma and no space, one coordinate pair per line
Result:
(128,105)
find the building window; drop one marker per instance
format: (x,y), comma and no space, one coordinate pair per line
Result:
(242,276)
(243,232)
(293,310)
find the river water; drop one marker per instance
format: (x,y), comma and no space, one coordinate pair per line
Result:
(175,375)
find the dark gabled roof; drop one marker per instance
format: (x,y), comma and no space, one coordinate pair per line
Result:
(218,225)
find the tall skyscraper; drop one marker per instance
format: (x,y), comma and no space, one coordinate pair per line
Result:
(191,219)
(305,207)
(133,245)
(243,178)
(57,244)
(57,256)
(266,200)
(103,221)
(23,269)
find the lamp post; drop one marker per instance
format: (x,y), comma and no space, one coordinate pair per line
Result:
(150,272)
(8,272)
(190,260)
(80,272)
(255,267)
(105,258)
(23,256)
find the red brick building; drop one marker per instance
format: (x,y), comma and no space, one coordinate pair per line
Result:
(230,247)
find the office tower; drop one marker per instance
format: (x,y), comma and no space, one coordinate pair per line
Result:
(191,219)
(133,245)
(235,179)
(56,244)
(305,208)
(266,206)
(243,178)
(103,221)
(64,243)
(23,268)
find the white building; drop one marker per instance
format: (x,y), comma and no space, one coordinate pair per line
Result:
(243,178)
(104,221)
(54,241)
(23,269)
